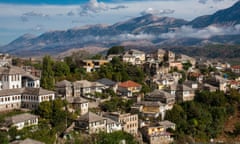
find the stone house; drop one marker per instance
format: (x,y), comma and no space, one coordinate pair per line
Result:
(91,123)
(21,120)
(156,134)
(162,96)
(128,88)
(24,98)
(129,122)
(134,57)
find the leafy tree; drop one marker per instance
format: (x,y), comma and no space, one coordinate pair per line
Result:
(61,69)
(47,78)
(187,65)
(237,129)
(115,50)
(45,110)
(97,57)
(3,138)
(115,138)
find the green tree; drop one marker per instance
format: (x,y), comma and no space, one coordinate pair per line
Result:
(187,65)
(115,138)
(61,69)
(115,50)
(47,78)
(3,138)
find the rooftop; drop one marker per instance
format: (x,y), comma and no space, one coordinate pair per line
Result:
(20,118)
(128,84)
(63,83)
(106,81)
(91,117)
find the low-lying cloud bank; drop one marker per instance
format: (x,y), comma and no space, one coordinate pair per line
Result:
(183,32)
(205,33)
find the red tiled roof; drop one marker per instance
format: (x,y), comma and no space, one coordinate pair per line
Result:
(129,83)
(236,67)
(234,82)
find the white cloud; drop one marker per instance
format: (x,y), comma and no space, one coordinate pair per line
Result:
(157,12)
(119,7)
(202,1)
(93,7)
(205,33)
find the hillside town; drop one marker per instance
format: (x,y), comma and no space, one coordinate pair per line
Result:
(128,91)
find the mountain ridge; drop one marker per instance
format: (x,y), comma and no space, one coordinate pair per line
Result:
(150,28)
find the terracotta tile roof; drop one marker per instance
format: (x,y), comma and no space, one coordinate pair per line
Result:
(236,67)
(129,83)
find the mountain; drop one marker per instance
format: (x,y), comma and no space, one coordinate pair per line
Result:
(229,16)
(144,32)
(55,42)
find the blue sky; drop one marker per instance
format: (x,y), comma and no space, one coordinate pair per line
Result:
(19,17)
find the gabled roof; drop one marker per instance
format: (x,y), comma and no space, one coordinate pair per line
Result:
(128,84)
(79,100)
(11,70)
(166,123)
(151,103)
(91,117)
(159,93)
(9,92)
(20,118)
(27,141)
(185,88)
(106,81)
(37,91)
(86,84)
(236,67)
(30,76)
(63,83)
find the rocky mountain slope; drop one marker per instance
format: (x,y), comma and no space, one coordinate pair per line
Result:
(159,31)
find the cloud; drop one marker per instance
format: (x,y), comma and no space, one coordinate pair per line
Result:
(25,16)
(71,13)
(34,14)
(157,12)
(119,7)
(93,7)
(218,0)
(24,19)
(202,1)
(205,33)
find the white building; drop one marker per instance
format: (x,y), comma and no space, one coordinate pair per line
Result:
(24,98)
(12,77)
(22,120)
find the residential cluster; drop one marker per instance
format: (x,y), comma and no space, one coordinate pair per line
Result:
(174,77)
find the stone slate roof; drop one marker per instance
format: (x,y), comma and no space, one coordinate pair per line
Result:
(151,103)
(11,70)
(9,92)
(106,82)
(37,91)
(86,84)
(157,93)
(63,83)
(78,100)
(90,117)
(166,123)
(19,91)
(27,141)
(20,118)
(30,76)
